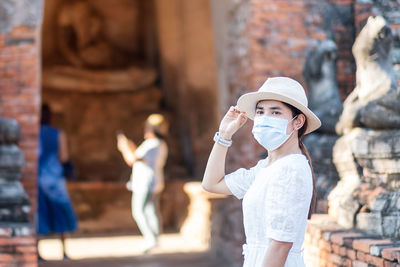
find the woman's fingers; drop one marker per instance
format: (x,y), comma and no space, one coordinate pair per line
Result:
(241,119)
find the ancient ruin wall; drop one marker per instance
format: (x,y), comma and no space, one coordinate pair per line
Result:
(19,100)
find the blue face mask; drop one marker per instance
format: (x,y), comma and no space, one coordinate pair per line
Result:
(270,132)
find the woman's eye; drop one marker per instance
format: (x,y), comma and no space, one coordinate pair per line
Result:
(275,113)
(259,112)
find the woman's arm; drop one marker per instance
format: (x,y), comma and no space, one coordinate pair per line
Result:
(213,180)
(63,147)
(277,253)
(127,149)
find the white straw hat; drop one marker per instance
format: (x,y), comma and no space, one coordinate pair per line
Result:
(282,89)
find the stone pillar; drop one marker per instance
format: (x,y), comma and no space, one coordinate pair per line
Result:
(19,99)
(187,57)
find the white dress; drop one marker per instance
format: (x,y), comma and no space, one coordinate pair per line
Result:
(276,201)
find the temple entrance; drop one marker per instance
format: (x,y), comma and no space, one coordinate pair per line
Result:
(106,66)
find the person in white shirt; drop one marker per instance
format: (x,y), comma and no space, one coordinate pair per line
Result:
(278,193)
(147,178)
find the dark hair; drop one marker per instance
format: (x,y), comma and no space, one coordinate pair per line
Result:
(155,130)
(296,112)
(45,114)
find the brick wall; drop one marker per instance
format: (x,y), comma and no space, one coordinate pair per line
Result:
(282,33)
(20,99)
(327,244)
(20,94)
(256,39)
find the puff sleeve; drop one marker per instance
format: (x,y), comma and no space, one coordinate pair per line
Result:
(240,180)
(287,204)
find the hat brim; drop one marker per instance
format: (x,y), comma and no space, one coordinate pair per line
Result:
(247,103)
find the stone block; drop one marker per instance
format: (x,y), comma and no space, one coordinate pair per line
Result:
(376,250)
(369,222)
(11,192)
(390,226)
(11,162)
(380,204)
(346,212)
(358,263)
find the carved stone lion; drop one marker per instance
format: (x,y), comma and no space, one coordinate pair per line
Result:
(367,155)
(375,101)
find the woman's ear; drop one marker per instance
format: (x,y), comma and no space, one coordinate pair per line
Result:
(299,121)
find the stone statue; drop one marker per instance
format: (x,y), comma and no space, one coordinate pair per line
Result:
(14,205)
(367,156)
(375,102)
(323,92)
(80,37)
(96,48)
(324,100)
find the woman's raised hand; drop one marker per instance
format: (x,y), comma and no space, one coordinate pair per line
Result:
(232,121)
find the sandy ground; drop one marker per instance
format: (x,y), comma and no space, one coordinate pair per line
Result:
(125,251)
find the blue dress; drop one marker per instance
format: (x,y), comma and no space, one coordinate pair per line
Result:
(55,212)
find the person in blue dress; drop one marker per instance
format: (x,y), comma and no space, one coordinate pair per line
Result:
(55,212)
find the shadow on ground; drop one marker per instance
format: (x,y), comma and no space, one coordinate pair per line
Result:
(202,259)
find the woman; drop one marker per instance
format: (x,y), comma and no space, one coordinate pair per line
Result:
(55,211)
(279,192)
(147,179)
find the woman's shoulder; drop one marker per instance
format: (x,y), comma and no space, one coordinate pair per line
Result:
(293,164)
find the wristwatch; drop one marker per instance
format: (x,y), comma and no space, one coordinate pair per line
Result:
(223,142)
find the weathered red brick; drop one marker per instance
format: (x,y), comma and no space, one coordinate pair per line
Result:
(26,249)
(364,245)
(391,254)
(351,254)
(18,241)
(376,261)
(26,257)
(390,264)
(339,238)
(6,258)
(361,256)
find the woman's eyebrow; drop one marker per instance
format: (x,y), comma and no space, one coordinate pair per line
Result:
(274,108)
(258,107)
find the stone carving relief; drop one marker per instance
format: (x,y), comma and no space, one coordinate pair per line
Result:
(367,156)
(96,47)
(81,38)
(324,100)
